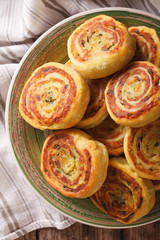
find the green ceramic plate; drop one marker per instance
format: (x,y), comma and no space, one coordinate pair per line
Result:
(26,142)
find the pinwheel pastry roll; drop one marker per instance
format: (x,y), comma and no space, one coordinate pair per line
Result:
(148,44)
(156,184)
(73,163)
(100,47)
(142,150)
(96,110)
(124,195)
(132,95)
(54,97)
(111,134)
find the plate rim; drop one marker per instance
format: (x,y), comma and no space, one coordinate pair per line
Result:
(46,33)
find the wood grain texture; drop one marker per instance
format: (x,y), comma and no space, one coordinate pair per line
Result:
(80,231)
(147,232)
(29,236)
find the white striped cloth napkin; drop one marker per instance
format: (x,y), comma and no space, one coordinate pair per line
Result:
(21,23)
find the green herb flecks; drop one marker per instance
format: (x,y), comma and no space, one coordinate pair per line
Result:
(157,144)
(140,202)
(124,212)
(107,48)
(128,183)
(50,100)
(151,73)
(83,42)
(110,46)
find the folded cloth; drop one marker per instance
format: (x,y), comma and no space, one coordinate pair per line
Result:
(22,22)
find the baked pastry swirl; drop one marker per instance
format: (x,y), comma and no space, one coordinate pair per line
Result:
(132,95)
(142,150)
(73,163)
(124,196)
(100,47)
(148,44)
(96,110)
(54,97)
(111,134)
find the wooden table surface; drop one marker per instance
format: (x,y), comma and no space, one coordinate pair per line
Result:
(80,231)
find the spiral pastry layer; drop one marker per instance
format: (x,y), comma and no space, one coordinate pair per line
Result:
(73,163)
(111,134)
(124,196)
(132,95)
(148,44)
(100,47)
(96,110)
(54,97)
(142,150)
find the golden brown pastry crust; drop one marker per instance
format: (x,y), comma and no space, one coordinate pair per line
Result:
(111,134)
(100,47)
(156,184)
(96,110)
(73,163)
(142,150)
(148,44)
(124,196)
(132,95)
(54,97)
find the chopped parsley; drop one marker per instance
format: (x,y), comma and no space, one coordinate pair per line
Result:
(50,100)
